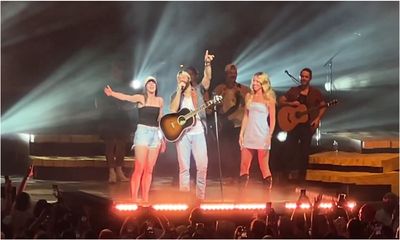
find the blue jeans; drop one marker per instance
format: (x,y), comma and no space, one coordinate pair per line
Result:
(195,144)
(146,136)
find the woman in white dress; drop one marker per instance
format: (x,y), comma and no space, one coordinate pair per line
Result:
(256,131)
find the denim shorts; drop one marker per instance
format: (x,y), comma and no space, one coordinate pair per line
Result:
(146,136)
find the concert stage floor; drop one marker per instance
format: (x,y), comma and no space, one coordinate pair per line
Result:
(164,190)
(365,163)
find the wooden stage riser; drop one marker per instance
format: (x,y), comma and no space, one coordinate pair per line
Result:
(362,142)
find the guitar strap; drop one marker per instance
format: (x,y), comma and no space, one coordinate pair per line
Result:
(194,98)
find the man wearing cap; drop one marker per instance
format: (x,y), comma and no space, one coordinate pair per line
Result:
(231,113)
(193,139)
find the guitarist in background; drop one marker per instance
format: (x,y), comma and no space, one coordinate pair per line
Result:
(193,140)
(231,113)
(302,134)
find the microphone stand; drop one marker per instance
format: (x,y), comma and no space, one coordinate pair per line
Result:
(218,150)
(295,80)
(329,77)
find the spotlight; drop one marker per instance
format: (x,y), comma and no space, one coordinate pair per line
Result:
(136,84)
(281,136)
(31,138)
(328,86)
(24,137)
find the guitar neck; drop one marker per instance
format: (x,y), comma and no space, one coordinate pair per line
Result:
(216,100)
(192,114)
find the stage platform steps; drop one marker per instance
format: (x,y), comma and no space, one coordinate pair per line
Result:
(76,161)
(71,157)
(361,142)
(75,168)
(352,168)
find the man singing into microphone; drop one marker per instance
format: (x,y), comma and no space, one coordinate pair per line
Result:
(193,140)
(302,134)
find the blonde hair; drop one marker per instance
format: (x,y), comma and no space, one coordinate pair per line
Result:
(268,94)
(183,73)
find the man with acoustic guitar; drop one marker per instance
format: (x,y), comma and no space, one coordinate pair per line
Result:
(303,96)
(231,113)
(192,141)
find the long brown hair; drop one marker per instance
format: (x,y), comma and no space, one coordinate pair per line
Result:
(153,79)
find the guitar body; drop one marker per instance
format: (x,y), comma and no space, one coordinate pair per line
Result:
(173,125)
(289,117)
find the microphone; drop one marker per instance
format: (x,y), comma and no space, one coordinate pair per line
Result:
(293,78)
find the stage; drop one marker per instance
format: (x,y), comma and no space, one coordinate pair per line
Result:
(76,163)
(164,190)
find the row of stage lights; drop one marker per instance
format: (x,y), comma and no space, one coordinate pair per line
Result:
(131,207)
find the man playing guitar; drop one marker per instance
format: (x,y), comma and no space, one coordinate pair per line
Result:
(302,134)
(193,140)
(231,113)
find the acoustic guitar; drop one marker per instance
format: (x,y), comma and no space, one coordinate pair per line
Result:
(173,125)
(289,117)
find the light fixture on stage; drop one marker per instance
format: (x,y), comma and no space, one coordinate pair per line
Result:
(250,206)
(281,136)
(305,206)
(170,207)
(290,205)
(126,207)
(325,205)
(328,86)
(217,206)
(232,206)
(31,138)
(136,84)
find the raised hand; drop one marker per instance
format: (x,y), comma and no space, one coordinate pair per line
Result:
(317,200)
(29,173)
(208,57)
(108,91)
